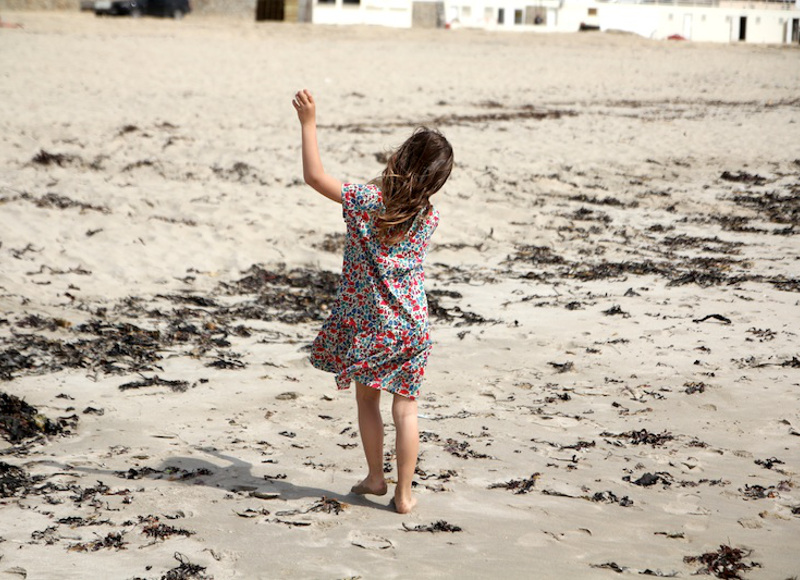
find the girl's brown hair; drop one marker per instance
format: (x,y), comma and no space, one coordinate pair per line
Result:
(414,172)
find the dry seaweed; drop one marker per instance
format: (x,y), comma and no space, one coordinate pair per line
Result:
(759,492)
(743,177)
(158,531)
(769,463)
(780,209)
(611,497)
(434,528)
(186,570)
(518,486)
(112,540)
(61,159)
(694,387)
(642,437)
(328,505)
(649,479)
(175,386)
(461,450)
(610,566)
(726,562)
(15,481)
(20,421)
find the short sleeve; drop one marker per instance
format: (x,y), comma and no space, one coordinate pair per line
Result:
(359,200)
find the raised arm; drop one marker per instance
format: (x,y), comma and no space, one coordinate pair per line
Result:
(313,172)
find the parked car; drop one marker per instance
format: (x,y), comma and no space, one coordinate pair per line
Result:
(169,8)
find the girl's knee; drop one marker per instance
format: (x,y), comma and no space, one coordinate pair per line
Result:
(365,394)
(403,407)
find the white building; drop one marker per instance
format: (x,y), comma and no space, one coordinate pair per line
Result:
(775,22)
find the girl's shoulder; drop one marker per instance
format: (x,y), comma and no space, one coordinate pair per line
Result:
(364,197)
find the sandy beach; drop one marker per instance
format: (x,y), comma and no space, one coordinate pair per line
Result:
(614,292)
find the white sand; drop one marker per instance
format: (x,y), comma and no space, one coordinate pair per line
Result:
(652,125)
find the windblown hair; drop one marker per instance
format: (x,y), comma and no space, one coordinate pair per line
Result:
(415,171)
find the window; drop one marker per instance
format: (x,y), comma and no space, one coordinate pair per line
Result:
(352,1)
(466,12)
(517,16)
(592,11)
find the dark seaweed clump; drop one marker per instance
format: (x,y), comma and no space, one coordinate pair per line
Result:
(642,437)
(20,421)
(518,486)
(435,527)
(15,481)
(186,570)
(727,562)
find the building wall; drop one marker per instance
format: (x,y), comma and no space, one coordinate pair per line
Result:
(765,23)
(703,24)
(392,13)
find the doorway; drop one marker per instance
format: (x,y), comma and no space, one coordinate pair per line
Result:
(795,30)
(687,26)
(743,28)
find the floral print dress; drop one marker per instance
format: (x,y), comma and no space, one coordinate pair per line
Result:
(377,333)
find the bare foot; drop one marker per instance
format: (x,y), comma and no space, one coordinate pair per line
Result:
(370,487)
(404,506)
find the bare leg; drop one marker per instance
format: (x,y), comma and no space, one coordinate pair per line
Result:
(404,413)
(370,424)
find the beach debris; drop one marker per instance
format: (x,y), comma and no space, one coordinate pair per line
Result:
(616,310)
(175,386)
(659,573)
(435,527)
(518,486)
(649,479)
(671,535)
(763,334)
(49,536)
(727,562)
(723,319)
(793,362)
(642,437)
(61,159)
(743,177)
(80,522)
(186,570)
(173,473)
(562,367)
(769,463)
(20,421)
(153,528)
(759,492)
(692,387)
(610,566)
(461,450)
(251,513)
(288,396)
(610,497)
(111,540)
(227,361)
(777,208)
(328,505)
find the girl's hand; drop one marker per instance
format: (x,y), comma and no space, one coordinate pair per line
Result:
(306,108)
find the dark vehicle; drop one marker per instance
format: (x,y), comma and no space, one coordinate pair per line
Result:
(169,8)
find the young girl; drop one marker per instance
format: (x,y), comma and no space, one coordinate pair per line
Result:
(377,333)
